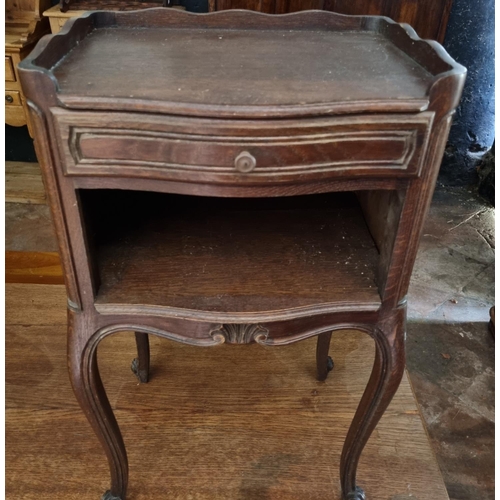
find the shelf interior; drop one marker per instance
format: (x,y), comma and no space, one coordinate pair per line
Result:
(230,255)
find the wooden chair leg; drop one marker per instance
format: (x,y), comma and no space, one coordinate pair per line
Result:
(140,365)
(90,393)
(324,363)
(386,375)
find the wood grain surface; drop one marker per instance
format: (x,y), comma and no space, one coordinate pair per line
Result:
(227,255)
(225,422)
(260,68)
(23,183)
(33,267)
(196,150)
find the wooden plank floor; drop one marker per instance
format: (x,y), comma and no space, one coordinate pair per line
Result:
(33,267)
(230,422)
(23,183)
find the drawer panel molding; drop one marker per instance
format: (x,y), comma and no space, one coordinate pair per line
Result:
(255,152)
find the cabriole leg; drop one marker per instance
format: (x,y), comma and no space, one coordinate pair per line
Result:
(140,365)
(324,363)
(386,375)
(89,391)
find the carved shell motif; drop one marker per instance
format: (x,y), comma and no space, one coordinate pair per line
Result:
(240,334)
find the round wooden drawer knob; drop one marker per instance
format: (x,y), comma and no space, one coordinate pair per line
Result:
(245,162)
(9,98)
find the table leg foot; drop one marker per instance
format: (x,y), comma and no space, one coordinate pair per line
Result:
(140,365)
(357,494)
(324,363)
(109,496)
(142,375)
(329,364)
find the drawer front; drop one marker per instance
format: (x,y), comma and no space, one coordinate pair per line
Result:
(12,98)
(10,75)
(15,116)
(241,152)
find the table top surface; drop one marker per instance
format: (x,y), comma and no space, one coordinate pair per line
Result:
(240,67)
(241,59)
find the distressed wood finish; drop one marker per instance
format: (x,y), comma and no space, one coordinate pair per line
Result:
(196,150)
(206,259)
(301,104)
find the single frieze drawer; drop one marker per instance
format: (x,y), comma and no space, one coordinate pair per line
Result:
(254,152)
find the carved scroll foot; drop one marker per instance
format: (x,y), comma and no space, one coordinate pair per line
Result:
(140,365)
(109,496)
(324,363)
(357,494)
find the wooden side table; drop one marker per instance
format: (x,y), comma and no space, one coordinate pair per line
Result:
(234,178)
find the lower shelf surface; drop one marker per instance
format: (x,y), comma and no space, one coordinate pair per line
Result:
(239,255)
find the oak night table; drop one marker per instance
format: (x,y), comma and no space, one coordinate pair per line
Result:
(238,177)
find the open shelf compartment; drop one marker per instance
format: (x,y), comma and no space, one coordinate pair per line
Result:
(230,255)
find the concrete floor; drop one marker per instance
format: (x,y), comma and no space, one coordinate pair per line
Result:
(454,276)
(451,367)
(450,351)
